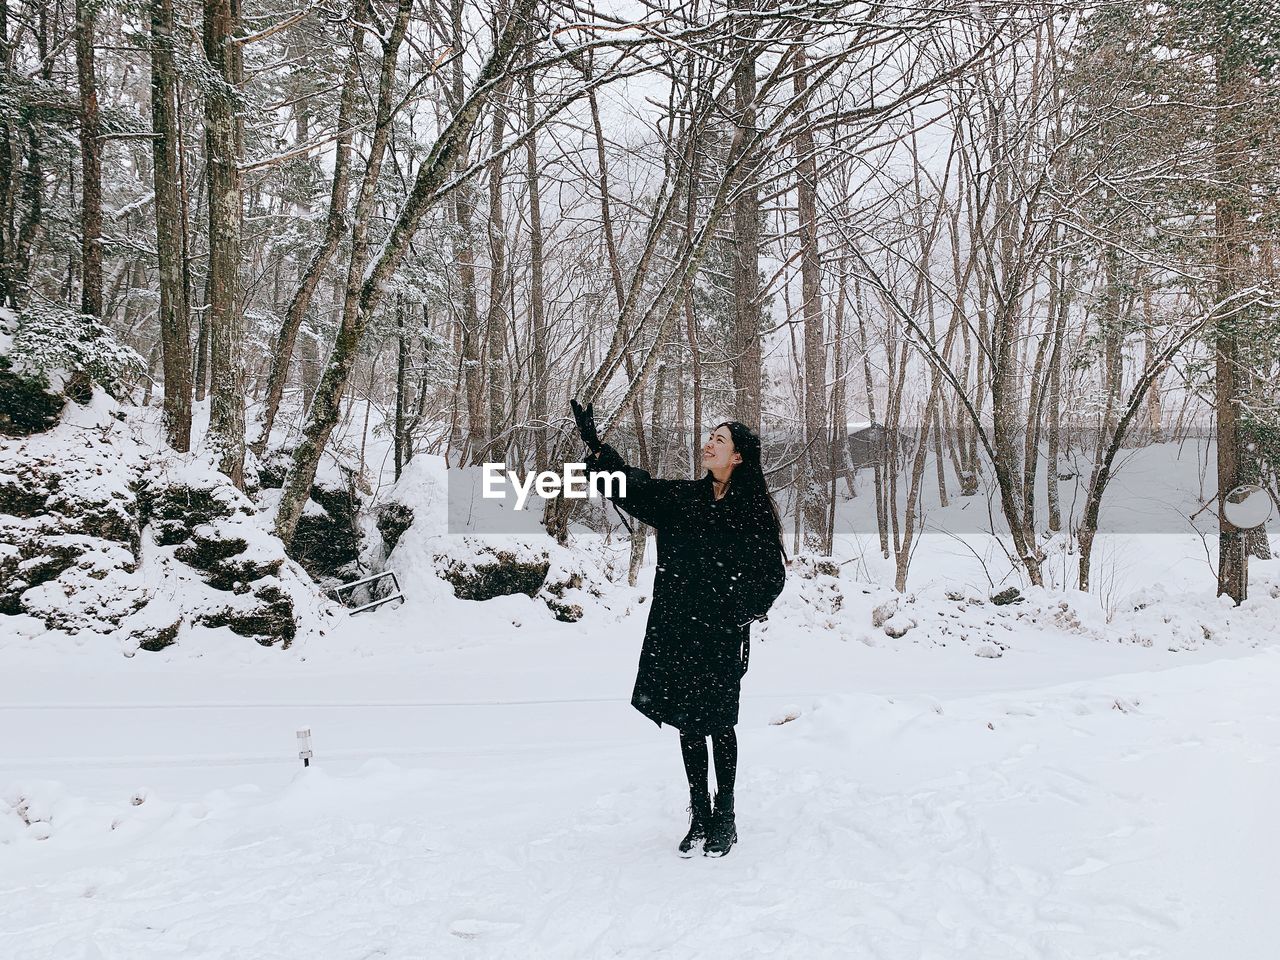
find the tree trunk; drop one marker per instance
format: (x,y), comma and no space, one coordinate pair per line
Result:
(226,323)
(1035,416)
(402,402)
(615,273)
(1053,453)
(148,375)
(1155,402)
(639,531)
(939,457)
(463,212)
(1006,289)
(838,448)
(903,545)
(1112,323)
(90,163)
(496,315)
(877,476)
(10,151)
(202,354)
(815,351)
(175,319)
(199,366)
(695,374)
(309,363)
(1233,571)
(537,314)
(746,355)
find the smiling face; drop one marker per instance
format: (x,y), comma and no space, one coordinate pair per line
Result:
(718,454)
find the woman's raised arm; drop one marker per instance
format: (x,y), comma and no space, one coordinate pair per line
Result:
(647,499)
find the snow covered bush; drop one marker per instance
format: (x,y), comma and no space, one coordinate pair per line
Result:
(51,343)
(27,403)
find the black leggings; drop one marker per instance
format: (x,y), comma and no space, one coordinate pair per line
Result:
(693,747)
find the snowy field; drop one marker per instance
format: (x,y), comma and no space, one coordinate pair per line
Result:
(483,790)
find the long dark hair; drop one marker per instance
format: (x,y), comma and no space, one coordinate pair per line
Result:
(747,480)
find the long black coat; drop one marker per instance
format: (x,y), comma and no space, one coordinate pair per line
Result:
(719,568)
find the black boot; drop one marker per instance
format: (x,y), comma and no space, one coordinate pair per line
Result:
(700,809)
(724,829)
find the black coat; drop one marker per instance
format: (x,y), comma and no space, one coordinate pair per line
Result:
(719,568)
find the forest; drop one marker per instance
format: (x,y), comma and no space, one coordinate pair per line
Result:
(1001,235)
(994,283)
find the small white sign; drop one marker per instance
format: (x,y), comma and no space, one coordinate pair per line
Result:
(304,746)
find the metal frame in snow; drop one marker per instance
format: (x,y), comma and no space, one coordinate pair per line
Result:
(337,592)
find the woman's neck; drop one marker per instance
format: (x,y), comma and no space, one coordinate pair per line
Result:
(719,484)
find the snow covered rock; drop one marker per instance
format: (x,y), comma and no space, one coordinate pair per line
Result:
(480,569)
(811,566)
(491,571)
(573,581)
(175,506)
(201,522)
(818,588)
(408,531)
(882,612)
(102,534)
(69,536)
(394,519)
(222,553)
(328,539)
(898,625)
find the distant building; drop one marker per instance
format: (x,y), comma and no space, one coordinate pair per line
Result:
(869,443)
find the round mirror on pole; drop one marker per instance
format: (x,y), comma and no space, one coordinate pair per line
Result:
(1247,507)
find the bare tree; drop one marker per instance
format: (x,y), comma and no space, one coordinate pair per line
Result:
(335,223)
(365,285)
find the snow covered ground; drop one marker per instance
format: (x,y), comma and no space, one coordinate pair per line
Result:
(484,790)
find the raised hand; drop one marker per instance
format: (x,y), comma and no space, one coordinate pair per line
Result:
(586,424)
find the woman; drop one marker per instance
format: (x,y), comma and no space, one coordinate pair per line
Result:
(720,566)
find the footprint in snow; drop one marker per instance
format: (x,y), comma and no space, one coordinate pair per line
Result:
(1090,865)
(473,929)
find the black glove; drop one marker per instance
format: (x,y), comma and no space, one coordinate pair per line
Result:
(586,424)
